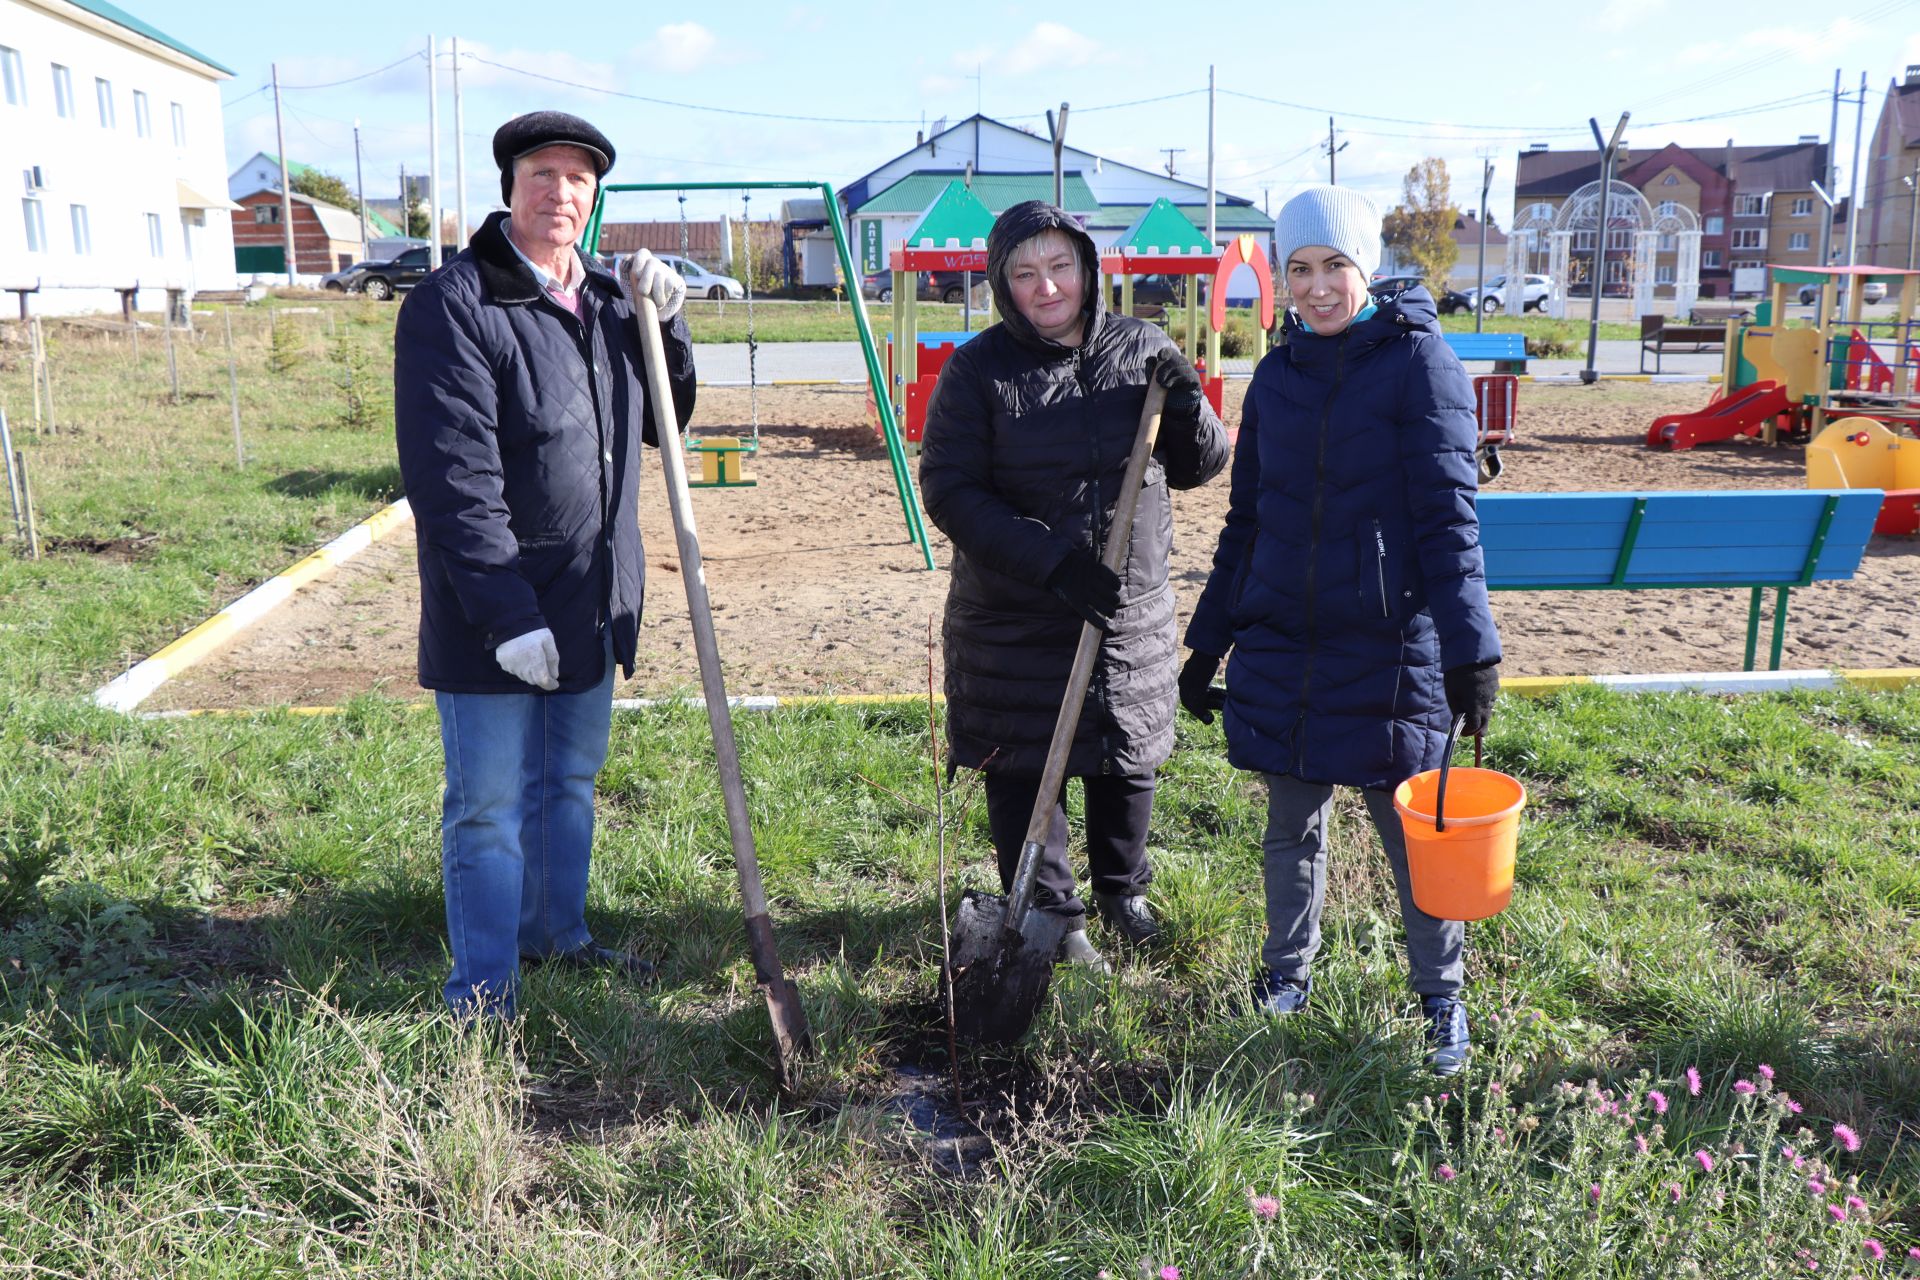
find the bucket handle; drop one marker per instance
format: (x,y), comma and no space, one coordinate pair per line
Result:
(1446,763)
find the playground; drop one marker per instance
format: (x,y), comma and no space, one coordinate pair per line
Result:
(817,591)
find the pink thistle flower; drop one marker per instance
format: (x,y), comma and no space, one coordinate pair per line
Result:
(1788,1153)
(1766,1072)
(1744,1087)
(1706,1160)
(1640,1143)
(1265,1207)
(1874,1248)
(1443,1097)
(1673,1192)
(1593,1192)
(1914,1253)
(1839,1212)
(1846,1137)
(1103,1274)
(1446,1173)
(1495,1088)
(1693,1081)
(1856,1204)
(1815,1187)
(1499,1134)
(1169,1272)
(1794,1107)
(1659,1101)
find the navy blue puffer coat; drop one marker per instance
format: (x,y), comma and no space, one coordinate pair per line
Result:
(519,428)
(1349,575)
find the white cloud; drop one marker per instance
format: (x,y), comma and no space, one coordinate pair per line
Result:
(1048,47)
(678,48)
(1620,15)
(485,67)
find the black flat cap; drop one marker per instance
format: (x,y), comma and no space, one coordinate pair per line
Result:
(526,134)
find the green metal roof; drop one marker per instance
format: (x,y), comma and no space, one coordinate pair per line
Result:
(956,220)
(381,227)
(294,168)
(1226,217)
(997,191)
(1164,229)
(112,13)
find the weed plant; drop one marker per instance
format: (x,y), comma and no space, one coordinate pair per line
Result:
(221,944)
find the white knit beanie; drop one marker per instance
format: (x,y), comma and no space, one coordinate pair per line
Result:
(1337,217)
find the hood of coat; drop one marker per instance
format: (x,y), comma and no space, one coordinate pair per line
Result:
(1412,311)
(507,277)
(1013,228)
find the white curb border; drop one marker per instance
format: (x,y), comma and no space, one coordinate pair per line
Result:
(127,691)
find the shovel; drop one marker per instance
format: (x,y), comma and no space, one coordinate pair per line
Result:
(791,1041)
(1003,950)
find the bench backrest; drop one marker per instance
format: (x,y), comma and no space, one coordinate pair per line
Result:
(1488,346)
(1704,538)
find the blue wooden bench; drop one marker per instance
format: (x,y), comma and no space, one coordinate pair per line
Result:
(1760,540)
(1508,351)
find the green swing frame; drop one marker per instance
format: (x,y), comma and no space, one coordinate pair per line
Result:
(883,402)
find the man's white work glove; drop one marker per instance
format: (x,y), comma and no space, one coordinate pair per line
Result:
(647,276)
(533,658)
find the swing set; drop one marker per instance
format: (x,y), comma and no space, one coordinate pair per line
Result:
(720,456)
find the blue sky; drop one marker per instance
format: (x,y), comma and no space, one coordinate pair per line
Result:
(1403,81)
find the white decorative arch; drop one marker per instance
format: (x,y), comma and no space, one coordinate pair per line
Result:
(1527,246)
(1627,210)
(1673,219)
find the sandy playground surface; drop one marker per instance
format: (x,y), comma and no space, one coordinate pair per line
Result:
(816,589)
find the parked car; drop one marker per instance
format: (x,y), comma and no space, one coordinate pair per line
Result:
(382,280)
(1453,300)
(701,283)
(1154,290)
(347,279)
(1871,291)
(1533,298)
(934,286)
(877,285)
(1386,288)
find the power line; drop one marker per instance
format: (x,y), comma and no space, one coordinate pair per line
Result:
(416,55)
(689,106)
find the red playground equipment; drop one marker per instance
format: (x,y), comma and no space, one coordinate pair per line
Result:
(1747,411)
(950,236)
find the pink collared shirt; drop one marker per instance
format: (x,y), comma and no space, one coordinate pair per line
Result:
(565,292)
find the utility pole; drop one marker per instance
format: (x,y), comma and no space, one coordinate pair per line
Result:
(1171,153)
(1518,288)
(1480,280)
(433,154)
(1332,151)
(360,189)
(1853,175)
(286,191)
(406,205)
(1058,130)
(1833,172)
(1211,237)
(459,153)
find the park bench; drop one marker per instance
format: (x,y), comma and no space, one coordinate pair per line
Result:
(1717,314)
(1661,334)
(1724,539)
(1508,351)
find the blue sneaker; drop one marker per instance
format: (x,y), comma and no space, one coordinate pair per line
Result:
(1447,1036)
(1278,996)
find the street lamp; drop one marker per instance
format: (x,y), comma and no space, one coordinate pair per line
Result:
(1608,146)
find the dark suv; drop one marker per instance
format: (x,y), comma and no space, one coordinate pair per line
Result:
(381,280)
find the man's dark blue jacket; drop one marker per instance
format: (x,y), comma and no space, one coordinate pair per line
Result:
(519,429)
(1349,575)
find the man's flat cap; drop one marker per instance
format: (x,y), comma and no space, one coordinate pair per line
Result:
(523,135)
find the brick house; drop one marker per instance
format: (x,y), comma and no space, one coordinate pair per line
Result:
(1890,171)
(325,236)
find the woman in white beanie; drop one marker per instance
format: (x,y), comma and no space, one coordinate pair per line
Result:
(1349,587)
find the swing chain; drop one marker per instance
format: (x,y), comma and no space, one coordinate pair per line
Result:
(753,342)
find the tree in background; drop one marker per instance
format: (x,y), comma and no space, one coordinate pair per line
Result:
(324,186)
(1421,226)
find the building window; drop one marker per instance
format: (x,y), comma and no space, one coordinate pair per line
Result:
(1663,274)
(179,125)
(1715,225)
(1749,237)
(14,76)
(1616,271)
(1710,259)
(1583,242)
(1799,241)
(1667,242)
(62,91)
(36,225)
(1747,264)
(265,213)
(1671,180)
(142,119)
(103,92)
(1749,206)
(1619,240)
(1802,206)
(156,244)
(82,233)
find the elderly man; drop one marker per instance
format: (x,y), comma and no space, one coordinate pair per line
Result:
(520,405)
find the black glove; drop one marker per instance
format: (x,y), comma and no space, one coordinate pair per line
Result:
(1170,369)
(1089,588)
(1197,692)
(1470,694)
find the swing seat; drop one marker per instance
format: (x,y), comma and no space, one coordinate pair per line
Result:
(721,464)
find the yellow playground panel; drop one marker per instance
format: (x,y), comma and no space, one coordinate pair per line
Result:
(1861,453)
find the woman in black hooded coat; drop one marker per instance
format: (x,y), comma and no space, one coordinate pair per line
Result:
(1027,439)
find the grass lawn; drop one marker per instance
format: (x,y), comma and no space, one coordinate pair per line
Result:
(221,947)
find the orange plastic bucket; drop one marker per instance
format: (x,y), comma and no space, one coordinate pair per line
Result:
(1460,849)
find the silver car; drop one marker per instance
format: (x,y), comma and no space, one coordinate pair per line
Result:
(701,283)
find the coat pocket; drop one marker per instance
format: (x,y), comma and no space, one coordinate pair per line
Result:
(1372,572)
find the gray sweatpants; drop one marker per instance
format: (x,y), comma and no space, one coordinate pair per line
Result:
(1295,851)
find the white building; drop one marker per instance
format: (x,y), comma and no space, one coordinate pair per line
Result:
(112,140)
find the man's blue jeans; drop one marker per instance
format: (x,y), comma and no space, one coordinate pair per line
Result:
(516,828)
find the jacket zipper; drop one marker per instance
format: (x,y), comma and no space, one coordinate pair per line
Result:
(1099,530)
(1380,566)
(1313,549)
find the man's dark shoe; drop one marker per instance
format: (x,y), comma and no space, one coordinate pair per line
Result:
(1447,1038)
(1278,996)
(1128,915)
(595,956)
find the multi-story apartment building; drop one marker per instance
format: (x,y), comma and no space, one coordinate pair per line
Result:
(111,134)
(1889,174)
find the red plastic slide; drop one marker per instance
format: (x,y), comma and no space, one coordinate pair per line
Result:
(1744,413)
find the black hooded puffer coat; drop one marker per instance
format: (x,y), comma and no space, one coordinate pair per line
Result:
(1026,445)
